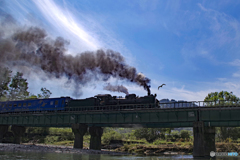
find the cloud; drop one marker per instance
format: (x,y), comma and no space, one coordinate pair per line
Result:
(147,5)
(217,33)
(224,28)
(196,91)
(82,28)
(236,62)
(66,22)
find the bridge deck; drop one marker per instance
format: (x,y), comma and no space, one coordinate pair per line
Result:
(145,115)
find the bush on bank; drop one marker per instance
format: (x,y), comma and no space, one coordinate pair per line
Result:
(65,136)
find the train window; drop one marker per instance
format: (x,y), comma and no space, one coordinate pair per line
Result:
(19,104)
(56,102)
(51,103)
(15,105)
(62,102)
(24,104)
(10,105)
(29,104)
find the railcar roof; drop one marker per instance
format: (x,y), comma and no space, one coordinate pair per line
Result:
(33,99)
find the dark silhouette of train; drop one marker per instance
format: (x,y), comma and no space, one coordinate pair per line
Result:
(98,102)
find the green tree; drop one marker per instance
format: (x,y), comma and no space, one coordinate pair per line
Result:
(45,93)
(224,98)
(184,134)
(221,98)
(175,134)
(5,78)
(150,134)
(18,89)
(110,134)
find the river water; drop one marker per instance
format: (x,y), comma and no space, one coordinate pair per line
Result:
(71,156)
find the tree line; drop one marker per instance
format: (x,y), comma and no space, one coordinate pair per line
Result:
(15,87)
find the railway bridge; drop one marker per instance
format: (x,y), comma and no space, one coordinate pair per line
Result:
(202,116)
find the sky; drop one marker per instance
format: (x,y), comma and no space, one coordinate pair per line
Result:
(191,46)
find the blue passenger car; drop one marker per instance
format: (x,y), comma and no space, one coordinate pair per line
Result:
(51,104)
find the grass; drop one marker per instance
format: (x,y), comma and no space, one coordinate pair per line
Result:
(64,143)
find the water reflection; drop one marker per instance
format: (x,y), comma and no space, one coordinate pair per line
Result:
(71,156)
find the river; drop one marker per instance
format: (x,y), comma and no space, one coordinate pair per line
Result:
(72,156)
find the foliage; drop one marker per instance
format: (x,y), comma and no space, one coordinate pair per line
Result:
(159,142)
(16,87)
(184,134)
(38,130)
(110,134)
(224,133)
(5,78)
(12,88)
(221,98)
(150,134)
(59,131)
(175,134)
(45,93)
(129,136)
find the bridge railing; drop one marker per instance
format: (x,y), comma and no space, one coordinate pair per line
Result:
(112,107)
(190,104)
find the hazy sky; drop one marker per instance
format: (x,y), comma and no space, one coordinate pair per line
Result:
(191,46)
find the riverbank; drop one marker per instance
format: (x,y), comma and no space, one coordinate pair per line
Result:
(53,149)
(168,149)
(183,148)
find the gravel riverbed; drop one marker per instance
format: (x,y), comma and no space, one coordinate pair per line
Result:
(52,148)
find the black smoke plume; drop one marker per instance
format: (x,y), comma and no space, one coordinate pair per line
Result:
(32,48)
(116,88)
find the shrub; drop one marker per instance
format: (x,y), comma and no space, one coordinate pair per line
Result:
(228,140)
(157,142)
(150,134)
(175,134)
(184,134)
(110,135)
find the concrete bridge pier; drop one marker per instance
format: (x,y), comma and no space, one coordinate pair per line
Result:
(18,132)
(95,140)
(204,140)
(79,130)
(3,131)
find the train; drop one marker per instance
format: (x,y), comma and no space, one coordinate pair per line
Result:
(31,105)
(101,101)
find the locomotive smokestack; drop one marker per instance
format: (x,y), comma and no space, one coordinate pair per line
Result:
(32,48)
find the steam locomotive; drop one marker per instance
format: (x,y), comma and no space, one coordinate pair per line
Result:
(103,101)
